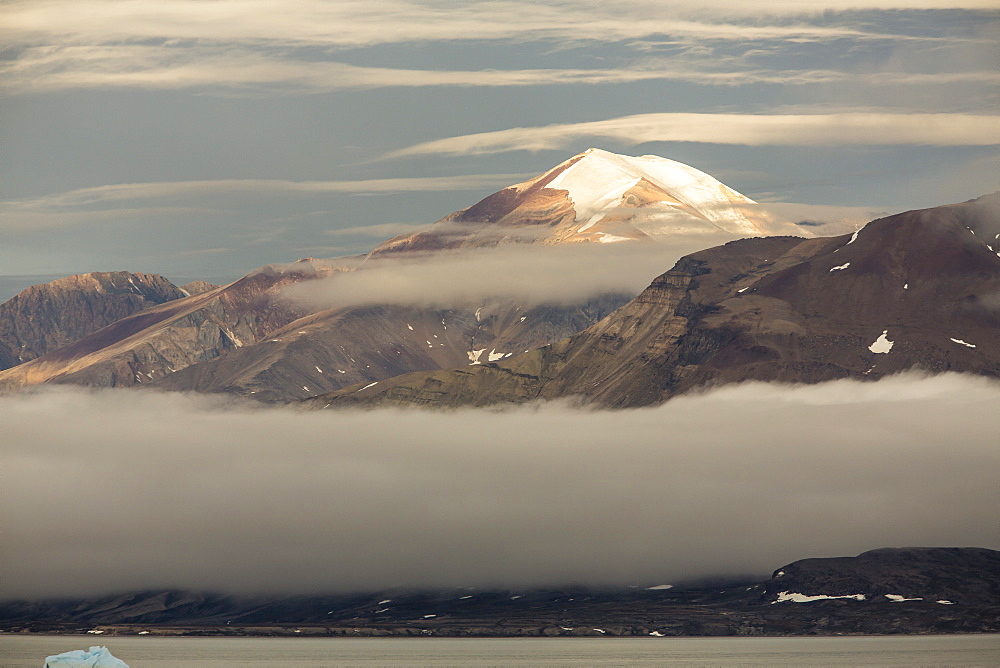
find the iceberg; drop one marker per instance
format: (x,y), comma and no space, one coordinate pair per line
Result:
(95,657)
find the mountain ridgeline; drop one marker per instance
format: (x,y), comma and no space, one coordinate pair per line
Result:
(918,290)
(249,339)
(47,317)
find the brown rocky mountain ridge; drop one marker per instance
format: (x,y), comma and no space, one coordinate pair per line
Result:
(764,308)
(172,335)
(918,290)
(46,317)
(246,339)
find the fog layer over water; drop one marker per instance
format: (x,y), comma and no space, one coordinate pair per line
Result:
(116,490)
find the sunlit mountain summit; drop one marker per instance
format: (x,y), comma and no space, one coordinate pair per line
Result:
(603,197)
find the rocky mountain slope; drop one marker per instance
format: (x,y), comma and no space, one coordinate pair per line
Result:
(340,347)
(162,339)
(887,591)
(45,317)
(914,290)
(248,339)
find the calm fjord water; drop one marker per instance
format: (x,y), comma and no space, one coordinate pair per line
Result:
(971,650)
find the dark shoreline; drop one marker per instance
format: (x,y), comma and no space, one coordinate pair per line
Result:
(289,632)
(890,591)
(826,619)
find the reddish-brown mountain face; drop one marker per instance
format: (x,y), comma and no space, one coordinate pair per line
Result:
(247,339)
(916,290)
(919,290)
(46,317)
(161,339)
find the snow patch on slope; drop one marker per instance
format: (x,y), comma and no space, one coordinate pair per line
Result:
(610,238)
(805,598)
(882,344)
(899,598)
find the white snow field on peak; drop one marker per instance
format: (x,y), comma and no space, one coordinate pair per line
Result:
(599,181)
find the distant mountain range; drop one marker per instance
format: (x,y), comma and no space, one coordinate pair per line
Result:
(918,290)
(915,290)
(247,339)
(886,591)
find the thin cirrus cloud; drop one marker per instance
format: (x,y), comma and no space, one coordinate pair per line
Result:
(245,47)
(236,72)
(363,23)
(257,73)
(378,231)
(79,205)
(751,129)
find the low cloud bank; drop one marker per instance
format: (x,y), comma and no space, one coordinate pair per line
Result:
(529,274)
(116,490)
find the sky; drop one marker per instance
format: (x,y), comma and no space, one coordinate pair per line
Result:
(203,139)
(132,491)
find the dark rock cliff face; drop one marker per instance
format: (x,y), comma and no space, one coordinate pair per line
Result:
(957,576)
(917,290)
(45,317)
(948,590)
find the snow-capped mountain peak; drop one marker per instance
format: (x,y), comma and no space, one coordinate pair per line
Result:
(599,196)
(599,183)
